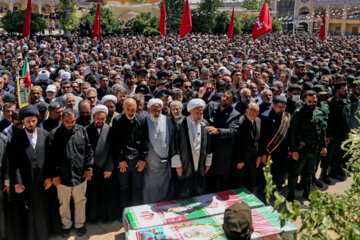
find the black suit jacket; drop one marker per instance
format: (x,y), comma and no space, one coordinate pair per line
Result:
(246,144)
(222,144)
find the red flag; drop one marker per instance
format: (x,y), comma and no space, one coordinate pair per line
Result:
(263,22)
(26,29)
(322,27)
(162,26)
(231,26)
(97,22)
(186,22)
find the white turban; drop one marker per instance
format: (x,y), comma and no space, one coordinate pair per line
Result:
(195,103)
(99,108)
(155,101)
(44,75)
(108,98)
(65,76)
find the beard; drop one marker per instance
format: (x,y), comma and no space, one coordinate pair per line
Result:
(177,116)
(31,130)
(154,119)
(196,120)
(130,117)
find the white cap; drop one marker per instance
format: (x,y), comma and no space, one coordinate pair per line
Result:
(44,75)
(159,59)
(51,88)
(108,98)
(195,103)
(99,108)
(155,101)
(65,75)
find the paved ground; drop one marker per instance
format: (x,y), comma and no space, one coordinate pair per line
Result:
(115,231)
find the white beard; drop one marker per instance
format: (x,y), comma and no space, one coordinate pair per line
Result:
(154,119)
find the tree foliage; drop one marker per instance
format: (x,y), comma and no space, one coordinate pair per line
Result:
(250,4)
(14,22)
(145,24)
(174,9)
(222,21)
(109,24)
(68,18)
(327,213)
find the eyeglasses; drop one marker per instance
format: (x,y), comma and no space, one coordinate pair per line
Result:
(65,87)
(187,86)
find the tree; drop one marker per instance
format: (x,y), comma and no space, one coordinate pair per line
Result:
(109,24)
(68,18)
(174,9)
(277,25)
(204,18)
(250,4)
(145,24)
(14,22)
(222,21)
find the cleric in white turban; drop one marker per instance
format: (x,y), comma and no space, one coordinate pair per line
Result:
(65,76)
(99,108)
(195,103)
(155,102)
(44,75)
(109,98)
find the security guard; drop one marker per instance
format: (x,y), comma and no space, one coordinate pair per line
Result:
(337,131)
(307,138)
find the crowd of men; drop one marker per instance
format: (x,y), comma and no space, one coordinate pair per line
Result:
(129,120)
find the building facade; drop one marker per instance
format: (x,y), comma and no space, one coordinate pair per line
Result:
(342,17)
(37,6)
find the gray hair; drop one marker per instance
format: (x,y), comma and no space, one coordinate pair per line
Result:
(85,83)
(90,89)
(66,95)
(244,90)
(176,103)
(116,88)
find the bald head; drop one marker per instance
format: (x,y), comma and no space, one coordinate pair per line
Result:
(253,111)
(130,108)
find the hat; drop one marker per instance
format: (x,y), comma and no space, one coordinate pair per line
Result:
(141,87)
(65,76)
(238,221)
(51,88)
(19,55)
(178,82)
(310,74)
(195,103)
(29,111)
(44,75)
(155,101)
(108,98)
(99,108)
(319,88)
(162,93)
(159,59)
(217,96)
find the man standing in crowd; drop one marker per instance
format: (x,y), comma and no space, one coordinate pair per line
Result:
(157,171)
(54,120)
(245,99)
(246,149)
(130,147)
(71,167)
(274,141)
(31,179)
(223,122)
(100,192)
(307,139)
(191,164)
(3,185)
(337,132)
(8,110)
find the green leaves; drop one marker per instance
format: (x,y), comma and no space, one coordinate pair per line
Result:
(327,215)
(109,24)
(145,24)
(68,18)
(14,22)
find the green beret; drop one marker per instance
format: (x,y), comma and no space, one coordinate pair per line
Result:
(238,221)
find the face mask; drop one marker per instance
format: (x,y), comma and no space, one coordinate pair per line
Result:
(295,98)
